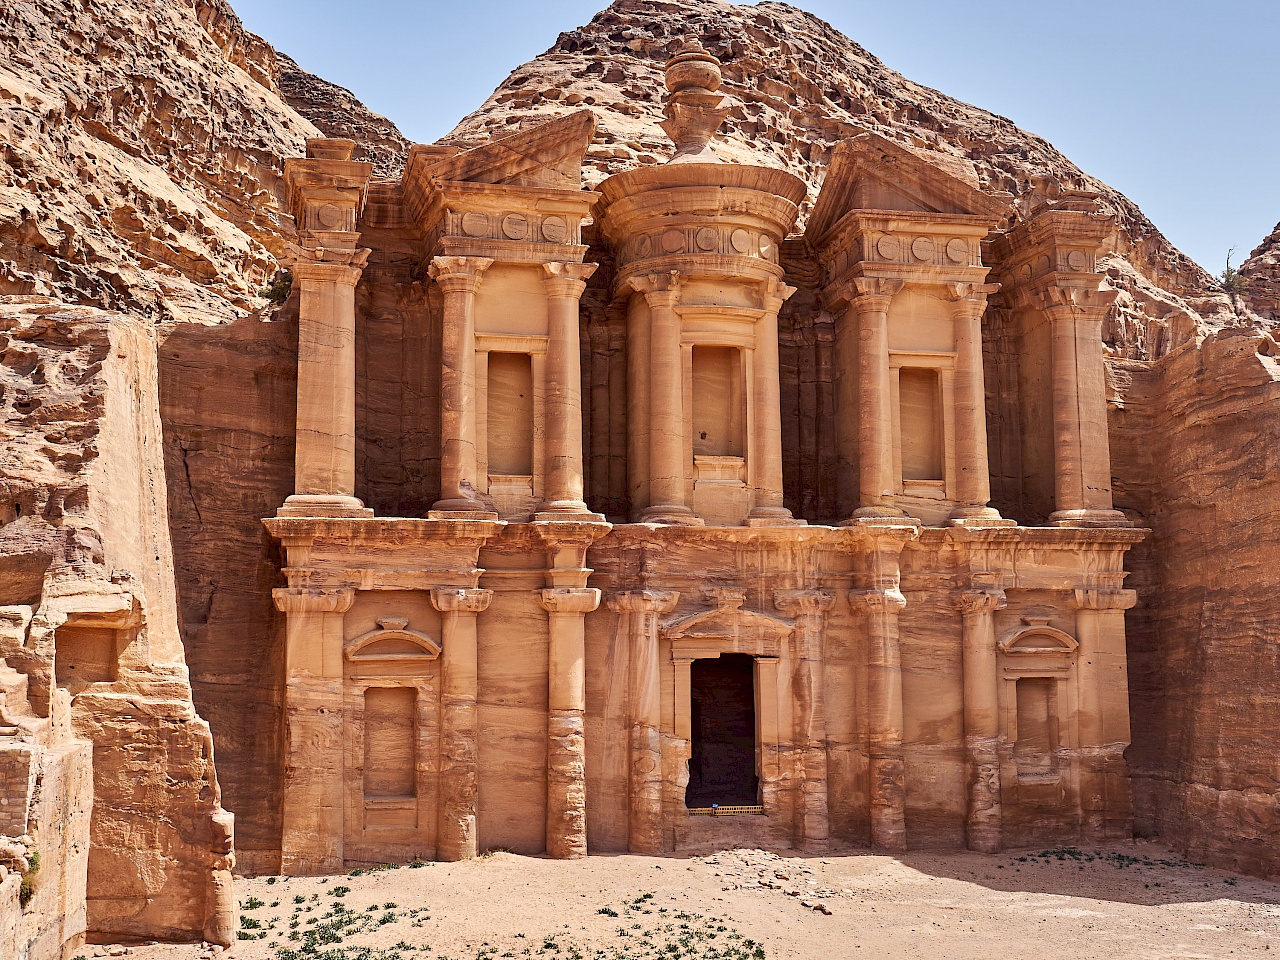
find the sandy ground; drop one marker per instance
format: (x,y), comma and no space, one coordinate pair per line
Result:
(1134,900)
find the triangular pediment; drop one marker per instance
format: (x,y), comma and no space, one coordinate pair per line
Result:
(548,155)
(869,172)
(729,621)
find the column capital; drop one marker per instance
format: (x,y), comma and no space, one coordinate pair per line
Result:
(973,602)
(969,300)
(869,601)
(579,600)
(643,601)
(566,279)
(804,603)
(869,294)
(460,599)
(774,293)
(1094,598)
(459,274)
(659,289)
(1063,302)
(313,599)
(328,271)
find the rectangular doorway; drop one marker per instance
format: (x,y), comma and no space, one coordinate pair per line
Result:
(722,724)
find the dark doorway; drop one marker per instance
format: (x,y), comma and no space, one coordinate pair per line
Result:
(722,766)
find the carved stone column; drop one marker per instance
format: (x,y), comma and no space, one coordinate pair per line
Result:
(564,283)
(326,193)
(1103,720)
(459,279)
(567,704)
(312,838)
(456,830)
(667,467)
(809,608)
(983,829)
(866,322)
(642,608)
(1082,452)
(765,453)
(973,472)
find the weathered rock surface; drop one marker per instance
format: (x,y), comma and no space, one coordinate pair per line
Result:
(1262,275)
(1195,441)
(140,171)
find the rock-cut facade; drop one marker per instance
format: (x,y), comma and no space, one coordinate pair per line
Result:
(628,602)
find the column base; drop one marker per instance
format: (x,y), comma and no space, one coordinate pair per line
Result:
(671,513)
(322,505)
(1089,518)
(878,512)
(880,520)
(978,517)
(773,517)
(568,510)
(460,509)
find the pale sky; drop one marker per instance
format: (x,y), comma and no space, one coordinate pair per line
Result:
(1176,103)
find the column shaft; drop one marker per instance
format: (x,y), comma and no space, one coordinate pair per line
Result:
(456,825)
(884,717)
(765,454)
(567,703)
(983,828)
(1068,478)
(312,810)
(667,468)
(973,471)
(459,279)
(868,314)
(564,284)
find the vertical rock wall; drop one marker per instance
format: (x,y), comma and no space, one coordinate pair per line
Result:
(1196,457)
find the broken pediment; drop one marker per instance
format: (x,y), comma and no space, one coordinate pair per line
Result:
(1039,639)
(869,172)
(393,641)
(546,156)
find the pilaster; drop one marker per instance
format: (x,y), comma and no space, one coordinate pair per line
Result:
(809,609)
(456,829)
(567,703)
(642,608)
(764,455)
(312,814)
(983,815)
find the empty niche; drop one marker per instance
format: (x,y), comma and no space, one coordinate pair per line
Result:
(920,423)
(389,738)
(85,655)
(717,402)
(1037,726)
(510,415)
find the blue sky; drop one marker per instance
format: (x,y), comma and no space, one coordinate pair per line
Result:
(1174,103)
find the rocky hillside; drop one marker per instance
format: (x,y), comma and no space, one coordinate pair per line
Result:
(801,87)
(141,149)
(1262,274)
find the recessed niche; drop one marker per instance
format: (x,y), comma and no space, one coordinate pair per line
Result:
(389,742)
(718,406)
(920,423)
(510,414)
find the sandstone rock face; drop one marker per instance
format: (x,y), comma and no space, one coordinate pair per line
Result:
(801,88)
(1203,662)
(1262,274)
(92,640)
(140,172)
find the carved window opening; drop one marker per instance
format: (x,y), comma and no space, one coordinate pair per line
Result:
(719,409)
(1037,743)
(722,764)
(510,415)
(920,423)
(390,737)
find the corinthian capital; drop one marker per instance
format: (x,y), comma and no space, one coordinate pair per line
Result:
(969,300)
(459,274)
(460,599)
(659,289)
(313,599)
(869,601)
(570,599)
(566,279)
(644,601)
(980,601)
(799,603)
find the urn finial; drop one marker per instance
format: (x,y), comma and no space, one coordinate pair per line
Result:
(694,109)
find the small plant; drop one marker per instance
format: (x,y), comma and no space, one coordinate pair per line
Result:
(253,903)
(1233,284)
(27,889)
(277,291)
(607,912)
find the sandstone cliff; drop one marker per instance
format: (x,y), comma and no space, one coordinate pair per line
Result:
(1262,274)
(140,173)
